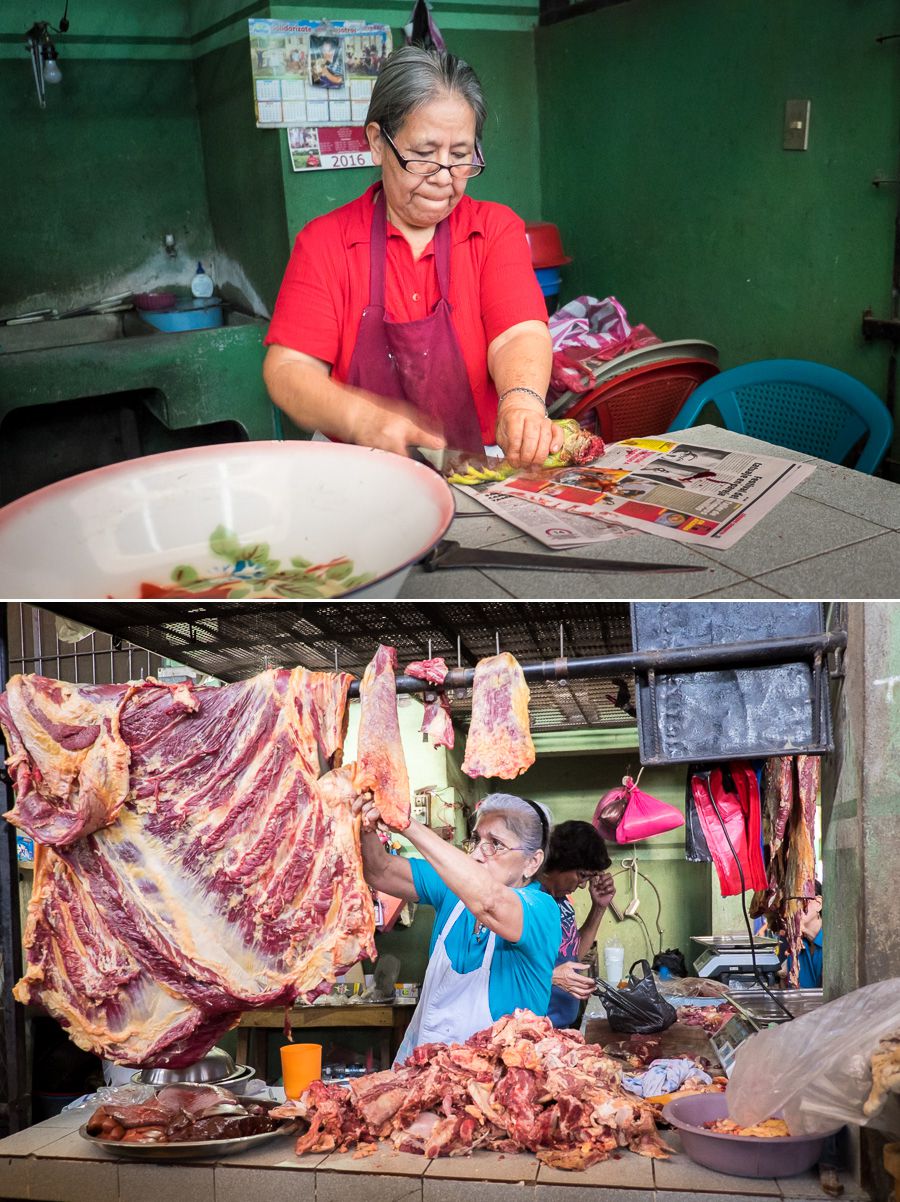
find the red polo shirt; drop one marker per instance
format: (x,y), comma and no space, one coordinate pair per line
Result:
(326,287)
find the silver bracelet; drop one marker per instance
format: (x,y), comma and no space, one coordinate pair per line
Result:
(531,392)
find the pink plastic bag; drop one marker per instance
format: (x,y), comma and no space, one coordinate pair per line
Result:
(627,815)
(646,816)
(587,332)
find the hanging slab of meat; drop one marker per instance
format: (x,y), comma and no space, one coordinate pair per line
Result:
(518,1085)
(381,766)
(437,721)
(194,855)
(791,787)
(499,739)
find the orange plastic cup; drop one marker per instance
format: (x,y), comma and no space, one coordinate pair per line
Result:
(301,1064)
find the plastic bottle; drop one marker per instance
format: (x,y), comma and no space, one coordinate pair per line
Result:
(201,284)
(614,961)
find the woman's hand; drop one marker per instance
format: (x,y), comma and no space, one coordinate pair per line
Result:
(390,425)
(364,804)
(602,889)
(524,432)
(567,977)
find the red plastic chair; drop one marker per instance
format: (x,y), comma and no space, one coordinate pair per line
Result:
(643,401)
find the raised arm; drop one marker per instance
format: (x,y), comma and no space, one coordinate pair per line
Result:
(387,873)
(602,889)
(496,906)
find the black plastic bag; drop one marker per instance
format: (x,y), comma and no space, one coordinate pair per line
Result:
(638,1009)
(672,959)
(696,849)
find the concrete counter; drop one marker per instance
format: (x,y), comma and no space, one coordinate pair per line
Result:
(50,1161)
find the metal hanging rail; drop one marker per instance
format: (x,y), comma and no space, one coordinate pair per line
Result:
(682,659)
(15,1102)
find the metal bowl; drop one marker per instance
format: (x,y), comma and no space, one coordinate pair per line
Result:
(212,1069)
(200,1149)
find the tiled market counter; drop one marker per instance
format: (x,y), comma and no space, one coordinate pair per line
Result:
(51,1161)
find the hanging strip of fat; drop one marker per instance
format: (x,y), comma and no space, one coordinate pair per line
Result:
(382,767)
(499,740)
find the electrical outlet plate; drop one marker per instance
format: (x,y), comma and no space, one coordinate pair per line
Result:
(796,125)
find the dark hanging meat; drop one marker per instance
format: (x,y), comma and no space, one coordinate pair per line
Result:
(382,767)
(194,856)
(499,739)
(791,786)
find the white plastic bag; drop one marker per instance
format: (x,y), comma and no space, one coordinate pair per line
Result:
(816,1070)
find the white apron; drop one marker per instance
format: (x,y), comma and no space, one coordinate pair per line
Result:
(453,1005)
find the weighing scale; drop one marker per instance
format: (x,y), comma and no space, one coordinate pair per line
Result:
(728,958)
(729,1038)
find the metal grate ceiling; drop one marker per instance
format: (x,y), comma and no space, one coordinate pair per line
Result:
(236,640)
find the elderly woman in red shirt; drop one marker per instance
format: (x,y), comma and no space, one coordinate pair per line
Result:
(412,315)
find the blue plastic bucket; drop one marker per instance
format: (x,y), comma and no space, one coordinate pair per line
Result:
(549,280)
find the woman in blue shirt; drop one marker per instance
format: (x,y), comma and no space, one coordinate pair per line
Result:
(496,933)
(809,958)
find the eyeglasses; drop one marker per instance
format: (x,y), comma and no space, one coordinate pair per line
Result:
(584,878)
(489,847)
(428,167)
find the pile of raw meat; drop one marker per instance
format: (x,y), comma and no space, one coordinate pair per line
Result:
(182,1113)
(518,1085)
(196,853)
(709,1018)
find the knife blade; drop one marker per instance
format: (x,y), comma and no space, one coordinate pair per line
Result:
(449,554)
(450,461)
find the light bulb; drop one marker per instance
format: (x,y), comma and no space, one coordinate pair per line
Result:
(52,73)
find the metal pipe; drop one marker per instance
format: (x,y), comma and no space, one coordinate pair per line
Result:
(18,1103)
(678,659)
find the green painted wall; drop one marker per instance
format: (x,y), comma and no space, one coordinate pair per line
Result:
(672,189)
(571,786)
(111,165)
(243,170)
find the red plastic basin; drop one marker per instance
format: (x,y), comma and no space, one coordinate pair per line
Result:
(546,244)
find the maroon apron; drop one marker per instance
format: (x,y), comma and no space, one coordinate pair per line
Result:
(421,361)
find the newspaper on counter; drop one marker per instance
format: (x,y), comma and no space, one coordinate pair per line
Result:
(702,496)
(561,531)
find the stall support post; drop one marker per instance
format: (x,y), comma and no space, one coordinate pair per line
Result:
(15,1101)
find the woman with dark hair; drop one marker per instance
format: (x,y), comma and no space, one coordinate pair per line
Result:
(412,316)
(495,931)
(577,856)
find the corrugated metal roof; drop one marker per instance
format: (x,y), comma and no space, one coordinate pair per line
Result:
(235,640)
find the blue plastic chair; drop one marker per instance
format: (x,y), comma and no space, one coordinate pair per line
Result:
(799,405)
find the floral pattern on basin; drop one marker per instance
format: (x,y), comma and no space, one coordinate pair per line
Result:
(249,571)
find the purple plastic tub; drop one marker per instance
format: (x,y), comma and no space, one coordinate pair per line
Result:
(739,1155)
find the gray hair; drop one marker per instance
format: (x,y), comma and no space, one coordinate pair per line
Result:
(521,818)
(413,76)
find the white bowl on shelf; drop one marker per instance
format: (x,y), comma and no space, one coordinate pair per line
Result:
(250,520)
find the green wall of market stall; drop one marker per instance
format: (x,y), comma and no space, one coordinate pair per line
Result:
(649,132)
